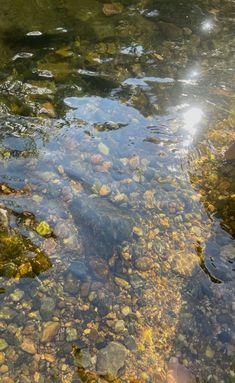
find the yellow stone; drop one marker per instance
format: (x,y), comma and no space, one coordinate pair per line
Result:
(43,228)
(138,231)
(232,197)
(104,190)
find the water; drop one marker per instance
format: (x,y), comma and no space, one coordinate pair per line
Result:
(117,207)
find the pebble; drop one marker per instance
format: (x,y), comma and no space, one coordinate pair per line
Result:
(6,379)
(111,358)
(126,311)
(122,283)
(209,352)
(71,334)
(28,346)
(50,330)
(2,358)
(17,295)
(119,327)
(3,369)
(104,191)
(3,344)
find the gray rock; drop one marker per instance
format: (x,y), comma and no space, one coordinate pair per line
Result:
(83,359)
(111,358)
(136,281)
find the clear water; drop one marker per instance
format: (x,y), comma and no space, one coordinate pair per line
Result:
(117,206)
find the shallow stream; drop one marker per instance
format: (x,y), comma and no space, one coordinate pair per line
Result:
(117,207)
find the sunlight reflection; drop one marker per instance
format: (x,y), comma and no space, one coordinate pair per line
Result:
(192,117)
(207,25)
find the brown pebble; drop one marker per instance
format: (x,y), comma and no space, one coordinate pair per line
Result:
(50,330)
(28,346)
(6,379)
(3,369)
(2,358)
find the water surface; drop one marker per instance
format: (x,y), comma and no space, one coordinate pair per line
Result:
(117,207)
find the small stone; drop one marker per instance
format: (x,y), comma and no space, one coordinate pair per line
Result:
(50,330)
(119,327)
(143,264)
(225,336)
(103,148)
(3,369)
(43,228)
(111,9)
(3,344)
(126,311)
(28,346)
(83,359)
(99,267)
(122,283)
(104,191)
(6,379)
(2,358)
(79,269)
(47,307)
(71,334)
(17,295)
(209,352)
(138,231)
(49,358)
(111,358)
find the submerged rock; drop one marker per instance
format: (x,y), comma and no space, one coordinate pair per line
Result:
(170,30)
(104,225)
(111,358)
(177,373)
(50,330)
(230,152)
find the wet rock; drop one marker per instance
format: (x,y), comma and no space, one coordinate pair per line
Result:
(119,327)
(170,30)
(203,323)
(230,152)
(104,225)
(111,358)
(6,379)
(28,346)
(4,223)
(47,307)
(225,336)
(143,264)
(79,269)
(8,270)
(2,358)
(6,313)
(122,283)
(177,373)
(17,295)
(110,9)
(50,330)
(71,284)
(130,343)
(136,281)
(3,344)
(83,359)
(99,267)
(209,352)
(71,334)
